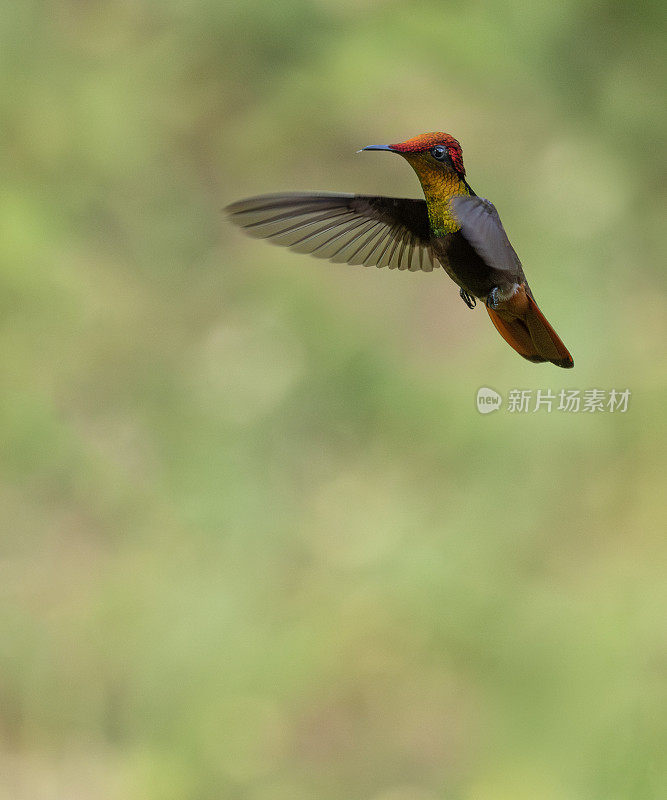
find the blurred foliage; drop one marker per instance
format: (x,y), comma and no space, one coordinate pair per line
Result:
(258,543)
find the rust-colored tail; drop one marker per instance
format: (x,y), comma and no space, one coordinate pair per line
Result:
(524,327)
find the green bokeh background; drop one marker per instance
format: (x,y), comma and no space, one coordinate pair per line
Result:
(257,541)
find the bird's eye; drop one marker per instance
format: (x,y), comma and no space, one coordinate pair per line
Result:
(438,152)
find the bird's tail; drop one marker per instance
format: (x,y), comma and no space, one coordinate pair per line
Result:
(524,327)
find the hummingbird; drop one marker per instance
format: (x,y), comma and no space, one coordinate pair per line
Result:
(451,228)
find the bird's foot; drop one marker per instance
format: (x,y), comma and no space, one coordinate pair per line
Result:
(493,298)
(468,299)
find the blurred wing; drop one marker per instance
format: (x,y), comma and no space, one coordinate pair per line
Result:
(481,226)
(345,228)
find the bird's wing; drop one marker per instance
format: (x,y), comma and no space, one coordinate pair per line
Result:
(481,226)
(358,229)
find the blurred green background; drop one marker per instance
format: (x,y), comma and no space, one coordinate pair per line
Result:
(257,541)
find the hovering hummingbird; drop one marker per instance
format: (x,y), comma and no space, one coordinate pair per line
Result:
(452,228)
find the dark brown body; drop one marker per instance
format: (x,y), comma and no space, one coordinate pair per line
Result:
(468,270)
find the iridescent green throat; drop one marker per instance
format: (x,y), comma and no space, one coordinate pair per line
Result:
(439,186)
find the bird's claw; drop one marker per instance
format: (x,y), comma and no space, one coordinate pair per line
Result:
(468,299)
(493,298)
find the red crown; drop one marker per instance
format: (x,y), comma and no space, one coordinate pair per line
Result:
(425,141)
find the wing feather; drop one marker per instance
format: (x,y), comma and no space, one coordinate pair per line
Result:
(367,240)
(481,226)
(383,258)
(392,258)
(357,229)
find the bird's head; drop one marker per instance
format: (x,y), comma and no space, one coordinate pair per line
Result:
(438,161)
(429,153)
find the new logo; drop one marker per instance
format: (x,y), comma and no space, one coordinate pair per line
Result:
(488,400)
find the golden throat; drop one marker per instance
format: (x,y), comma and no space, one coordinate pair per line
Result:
(439,185)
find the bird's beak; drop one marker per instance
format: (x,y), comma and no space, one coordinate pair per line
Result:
(377,147)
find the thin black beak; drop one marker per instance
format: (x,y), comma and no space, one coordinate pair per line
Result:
(376,147)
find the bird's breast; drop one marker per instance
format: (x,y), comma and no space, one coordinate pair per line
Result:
(464,266)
